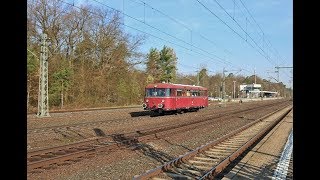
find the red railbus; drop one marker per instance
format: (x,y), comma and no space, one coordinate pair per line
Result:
(161,97)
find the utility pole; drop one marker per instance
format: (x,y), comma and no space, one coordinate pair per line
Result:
(43,103)
(255,79)
(224,87)
(198,78)
(277,67)
(223,84)
(291,89)
(224,79)
(234,89)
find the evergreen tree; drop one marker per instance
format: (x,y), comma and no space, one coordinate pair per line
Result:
(168,63)
(203,77)
(153,67)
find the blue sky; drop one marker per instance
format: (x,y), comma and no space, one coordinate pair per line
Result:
(251,35)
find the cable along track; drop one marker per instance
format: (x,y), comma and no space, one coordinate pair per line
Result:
(209,160)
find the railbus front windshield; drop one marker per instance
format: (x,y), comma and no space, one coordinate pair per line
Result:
(158,92)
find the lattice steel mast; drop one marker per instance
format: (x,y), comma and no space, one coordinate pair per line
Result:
(43,103)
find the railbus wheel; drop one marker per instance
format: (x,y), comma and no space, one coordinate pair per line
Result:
(160,111)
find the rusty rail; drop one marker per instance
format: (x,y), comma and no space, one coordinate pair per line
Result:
(75,150)
(224,163)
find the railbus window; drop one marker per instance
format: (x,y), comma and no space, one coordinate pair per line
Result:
(203,93)
(179,92)
(158,92)
(149,92)
(195,92)
(184,92)
(161,92)
(167,92)
(173,92)
(188,92)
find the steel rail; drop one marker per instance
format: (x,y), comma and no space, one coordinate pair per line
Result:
(84,124)
(62,151)
(182,159)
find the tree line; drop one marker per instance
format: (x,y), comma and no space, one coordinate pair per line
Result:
(93,61)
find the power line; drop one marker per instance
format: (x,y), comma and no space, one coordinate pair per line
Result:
(243,31)
(276,51)
(146,33)
(178,22)
(161,31)
(258,26)
(210,58)
(218,65)
(251,16)
(228,26)
(266,56)
(225,62)
(165,32)
(188,66)
(248,20)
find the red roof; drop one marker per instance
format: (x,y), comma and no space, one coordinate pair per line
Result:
(170,85)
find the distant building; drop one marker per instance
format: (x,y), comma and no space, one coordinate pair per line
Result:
(255,91)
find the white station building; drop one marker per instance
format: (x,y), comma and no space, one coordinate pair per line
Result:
(255,91)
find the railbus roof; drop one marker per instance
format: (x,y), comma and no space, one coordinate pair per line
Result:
(171,85)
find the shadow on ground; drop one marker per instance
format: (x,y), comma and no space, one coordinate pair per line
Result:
(155,114)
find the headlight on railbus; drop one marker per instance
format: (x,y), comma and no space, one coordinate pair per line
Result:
(144,105)
(160,105)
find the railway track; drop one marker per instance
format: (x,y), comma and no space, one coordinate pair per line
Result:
(207,161)
(89,109)
(51,157)
(94,123)
(76,125)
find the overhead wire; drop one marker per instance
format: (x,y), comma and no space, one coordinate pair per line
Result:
(143,3)
(271,46)
(144,32)
(221,60)
(266,55)
(259,27)
(224,62)
(227,25)
(178,22)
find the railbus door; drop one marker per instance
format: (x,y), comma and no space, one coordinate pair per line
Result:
(179,99)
